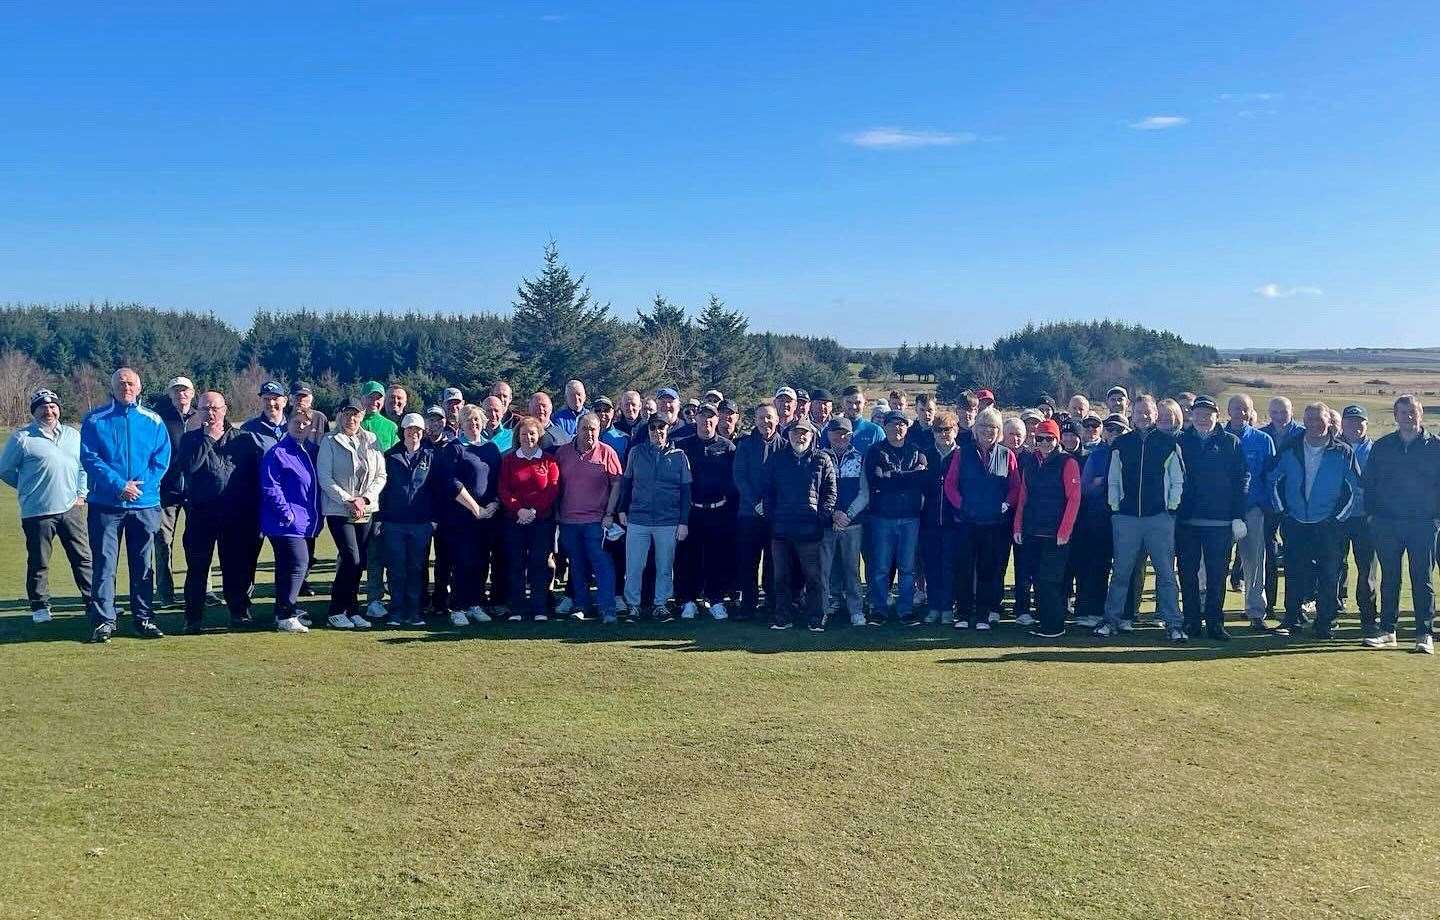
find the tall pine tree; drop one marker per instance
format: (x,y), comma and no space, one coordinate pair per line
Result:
(558,331)
(727,358)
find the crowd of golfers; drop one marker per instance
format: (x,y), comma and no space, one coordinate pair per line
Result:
(807,510)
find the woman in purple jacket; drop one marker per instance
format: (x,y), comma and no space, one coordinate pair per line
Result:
(289,515)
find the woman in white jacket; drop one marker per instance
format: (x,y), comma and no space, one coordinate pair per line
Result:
(351,472)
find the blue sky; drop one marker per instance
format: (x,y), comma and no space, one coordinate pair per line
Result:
(1241,173)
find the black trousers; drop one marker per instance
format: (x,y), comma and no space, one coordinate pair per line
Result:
(528,548)
(435,595)
(292,561)
(1092,552)
(237,537)
(1208,547)
(1272,562)
(352,555)
(705,560)
(1359,541)
(40,533)
(1312,569)
(755,562)
(1045,560)
(983,551)
(800,561)
(471,547)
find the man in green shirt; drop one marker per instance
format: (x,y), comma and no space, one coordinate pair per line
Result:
(372,398)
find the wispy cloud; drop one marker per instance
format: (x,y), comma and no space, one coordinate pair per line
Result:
(1249,97)
(554,17)
(1159,122)
(1273,291)
(901,139)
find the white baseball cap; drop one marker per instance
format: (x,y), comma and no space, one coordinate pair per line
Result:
(180,382)
(412,420)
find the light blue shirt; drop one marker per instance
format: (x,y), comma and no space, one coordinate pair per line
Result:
(44,469)
(504,439)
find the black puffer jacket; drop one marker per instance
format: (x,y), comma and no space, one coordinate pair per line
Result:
(799,493)
(1217,477)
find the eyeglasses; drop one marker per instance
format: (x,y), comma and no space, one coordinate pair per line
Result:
(1043,439)
(944,430)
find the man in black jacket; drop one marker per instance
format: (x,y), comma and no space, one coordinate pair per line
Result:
(798,494)
(899,475)
(407,506)
(705,562)
(178,413)
(1211,516)
(752,526)
(1401,489)
(218,468)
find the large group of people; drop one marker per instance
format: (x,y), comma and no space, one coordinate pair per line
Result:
(804,510)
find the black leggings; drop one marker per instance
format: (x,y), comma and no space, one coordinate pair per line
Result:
(352,543)
(292,559)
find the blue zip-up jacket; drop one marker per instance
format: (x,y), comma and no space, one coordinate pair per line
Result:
(1362,457)
(118,443)
(866,435)
(1332,495)
(1258,447)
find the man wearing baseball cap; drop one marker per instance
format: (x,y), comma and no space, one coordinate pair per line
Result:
(313,425)
(984,399)
(42,463)
(1117,400)
(177,410)
(1092,551)
(799,500)
(1211,516)
(705,563)
(899,474)
(843,538)
(270,425)
(372,401)
(1358,539)
(784,403)
(451,402)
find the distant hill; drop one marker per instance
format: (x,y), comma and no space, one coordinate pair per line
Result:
(1423,359)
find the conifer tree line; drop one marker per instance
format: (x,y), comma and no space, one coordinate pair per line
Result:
(556,330)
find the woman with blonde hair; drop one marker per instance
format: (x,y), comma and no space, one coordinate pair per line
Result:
(351,474)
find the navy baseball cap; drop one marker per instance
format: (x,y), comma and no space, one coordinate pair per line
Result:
(840,424)
(666,393)
(1354,411)
(1204,402)
(271,388)
(896,416)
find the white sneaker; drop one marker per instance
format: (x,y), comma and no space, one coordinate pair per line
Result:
(457,618)
(477,615)
(1104,630)
(340,621)
(564,607)
(983,625)
(1425,645)
(1088,622)
(376,611)
(1024,619)
(42,615)
(993,618)
(291,625)
(718,612)
(857,619)
(1383,640)
(359,622)
(689,610)
(962,624)
(542,618)
(1127,626)
(1178,635)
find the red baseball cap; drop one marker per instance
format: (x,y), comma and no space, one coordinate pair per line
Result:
(1048,427)
(984,394)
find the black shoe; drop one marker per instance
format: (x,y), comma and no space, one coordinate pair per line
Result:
(1323,633)
(101,635)
(213,600)
(817,627)
(243,622)
(663,614)
(1218,633)
(1192,628)
(146,629)
(306,590)
(193,629)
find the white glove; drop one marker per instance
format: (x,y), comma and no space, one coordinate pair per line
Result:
(1238,529)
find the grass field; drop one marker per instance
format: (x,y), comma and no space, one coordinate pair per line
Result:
(706,770)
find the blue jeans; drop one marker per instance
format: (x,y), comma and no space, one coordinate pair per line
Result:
(639,538)
(585,545)
(892,543)
(139,526)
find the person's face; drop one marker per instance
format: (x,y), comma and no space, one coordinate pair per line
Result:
(1204,419)
(1280,413)
(126,387)
(705,424)
(899,402)
(396,400)
(181,397)
(47,415)
(605,415)
(802,406)
(413,436)
(630,406)
(1354,428)
(541,409)
(473,423)
(1069,440)
(575,395)
(1014,437)
(925,413)
(1079,405)
(1116,402)
(1167,419)
(1110,433)
(986,435)
(668,407)
(659,434)
(839,440)
(452,410)
(527,436)
(1408,417)
(1046,410)
(800,439)
(350,421)
(587,433)
(494,412)
(785,405)
(1092,432)
(967,416)
(211,409)
(303,401)
(821,410)
(1238,411)
(945,433)
(895,432)
(434,426)
(1317,426)
(766,421)
(296,426)
(650,407)
(728,421)
(506,396)
(1044,445)
(272,405)
(1143,415)
(373,402)
(688,414)
(854,406)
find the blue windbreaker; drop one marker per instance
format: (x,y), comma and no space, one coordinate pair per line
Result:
(118,443)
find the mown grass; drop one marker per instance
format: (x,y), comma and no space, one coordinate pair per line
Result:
(709,770)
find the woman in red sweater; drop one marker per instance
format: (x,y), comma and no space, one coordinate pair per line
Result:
(529,487)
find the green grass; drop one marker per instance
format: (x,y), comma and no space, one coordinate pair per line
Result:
(708,771)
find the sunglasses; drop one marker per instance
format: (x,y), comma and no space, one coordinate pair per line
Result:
(1043,439)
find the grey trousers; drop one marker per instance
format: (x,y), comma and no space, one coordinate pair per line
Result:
(1156,535)
(40,533)
(842,549)
(1252,561)
(375,566)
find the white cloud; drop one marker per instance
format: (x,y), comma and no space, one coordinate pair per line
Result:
(900,139)
(1159,122)
(1273,291)
(1249,97)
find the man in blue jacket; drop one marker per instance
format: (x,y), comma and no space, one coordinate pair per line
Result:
(1259,451)
(1315,483)
(125,450)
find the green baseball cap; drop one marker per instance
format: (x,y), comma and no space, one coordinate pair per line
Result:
(372,387)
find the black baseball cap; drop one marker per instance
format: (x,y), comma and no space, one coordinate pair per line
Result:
(1204,402)
(600,401)
(1354,411)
